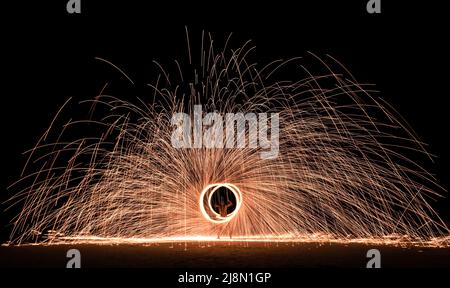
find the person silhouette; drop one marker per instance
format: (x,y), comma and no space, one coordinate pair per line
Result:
(222,209)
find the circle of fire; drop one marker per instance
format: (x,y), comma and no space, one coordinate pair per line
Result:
(208,212)
(344,170)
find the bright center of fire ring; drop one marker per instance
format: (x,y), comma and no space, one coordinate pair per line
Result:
(220,202)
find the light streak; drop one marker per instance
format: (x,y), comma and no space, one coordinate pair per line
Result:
(342,171)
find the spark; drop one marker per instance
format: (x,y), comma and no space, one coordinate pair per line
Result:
(342,173)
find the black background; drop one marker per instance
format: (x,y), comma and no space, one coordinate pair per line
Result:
(49,56)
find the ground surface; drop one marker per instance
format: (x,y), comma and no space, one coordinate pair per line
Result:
(223,255)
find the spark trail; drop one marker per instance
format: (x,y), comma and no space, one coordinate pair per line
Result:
(343,170)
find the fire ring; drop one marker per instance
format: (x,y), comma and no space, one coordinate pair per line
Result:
(220,202)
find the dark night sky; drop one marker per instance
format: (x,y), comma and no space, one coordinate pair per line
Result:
(48,56)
